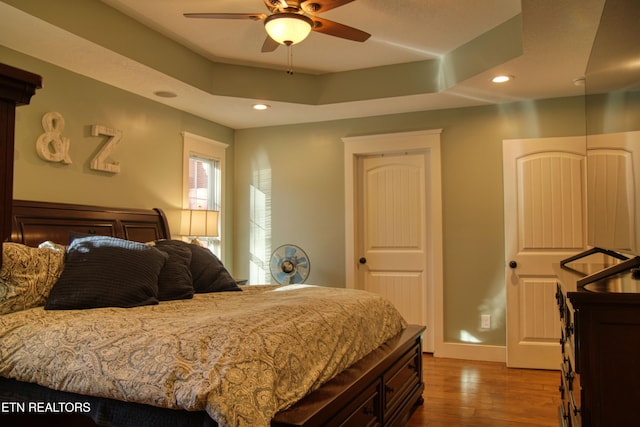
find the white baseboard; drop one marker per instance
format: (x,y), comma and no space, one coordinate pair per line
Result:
(488,353)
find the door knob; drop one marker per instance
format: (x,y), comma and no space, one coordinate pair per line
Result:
(513,264)
(362,260)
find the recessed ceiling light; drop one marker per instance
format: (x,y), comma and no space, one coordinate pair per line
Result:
(260,106)
(165,94)
(579,81)
(502,78)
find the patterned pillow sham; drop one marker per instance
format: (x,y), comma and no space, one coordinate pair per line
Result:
(27,276)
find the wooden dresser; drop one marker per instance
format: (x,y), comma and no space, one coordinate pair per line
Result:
(600,374)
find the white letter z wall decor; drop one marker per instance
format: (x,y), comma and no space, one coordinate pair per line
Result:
(99,162)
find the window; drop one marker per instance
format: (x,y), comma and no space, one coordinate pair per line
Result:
(260,227)
(204,192)
(204,183)
(203,186)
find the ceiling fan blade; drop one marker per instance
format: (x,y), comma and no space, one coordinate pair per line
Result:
(318,6)
(269,45)
(252,16)
(338,30)
(274,5)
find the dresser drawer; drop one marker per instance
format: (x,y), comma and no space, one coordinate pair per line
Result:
(364,412)
(562,416)
(568,322)
(574,408)
(401,380)
(563,409)
(569,411)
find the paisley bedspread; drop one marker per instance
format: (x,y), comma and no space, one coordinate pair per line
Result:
(241,356)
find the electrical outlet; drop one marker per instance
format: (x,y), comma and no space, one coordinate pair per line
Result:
(485,321)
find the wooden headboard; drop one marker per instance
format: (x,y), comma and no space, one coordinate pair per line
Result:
(36,222)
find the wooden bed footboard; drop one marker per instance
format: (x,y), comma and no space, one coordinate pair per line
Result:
(382,389)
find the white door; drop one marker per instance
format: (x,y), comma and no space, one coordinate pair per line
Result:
(393,223)
(392,246)
(545,222)
(613,166)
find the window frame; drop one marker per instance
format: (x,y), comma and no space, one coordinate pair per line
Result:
(208,149)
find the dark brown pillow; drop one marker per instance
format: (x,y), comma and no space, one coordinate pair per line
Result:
(103,271)
(174,281)
(207,271)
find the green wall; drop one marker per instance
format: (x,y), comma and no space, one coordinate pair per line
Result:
(150,152)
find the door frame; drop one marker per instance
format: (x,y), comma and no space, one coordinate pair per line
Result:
(427,141)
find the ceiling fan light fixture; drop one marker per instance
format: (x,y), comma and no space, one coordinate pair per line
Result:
(288,28)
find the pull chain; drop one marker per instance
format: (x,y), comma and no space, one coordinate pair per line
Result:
(289,60)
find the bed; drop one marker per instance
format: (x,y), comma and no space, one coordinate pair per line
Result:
(312,359)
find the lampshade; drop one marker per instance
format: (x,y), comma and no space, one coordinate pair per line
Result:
(288,28)
(199,223)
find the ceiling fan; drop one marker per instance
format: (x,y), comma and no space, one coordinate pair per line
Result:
(291,21)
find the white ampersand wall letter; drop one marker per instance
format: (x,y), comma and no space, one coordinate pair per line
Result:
(51,145)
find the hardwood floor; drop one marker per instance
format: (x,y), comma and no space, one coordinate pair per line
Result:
(471,393)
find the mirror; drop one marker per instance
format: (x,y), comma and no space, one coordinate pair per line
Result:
(612,113)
